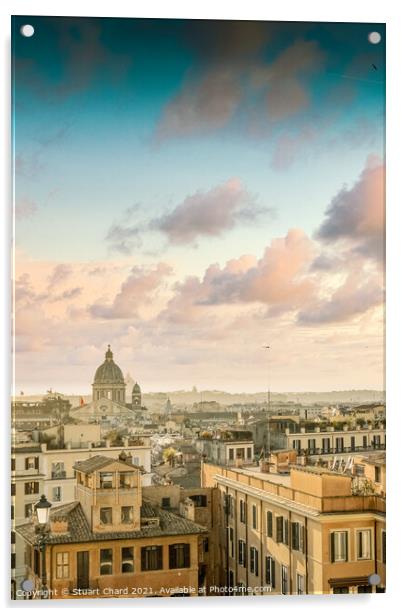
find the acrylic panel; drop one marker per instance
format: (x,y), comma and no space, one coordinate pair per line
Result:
(198,403)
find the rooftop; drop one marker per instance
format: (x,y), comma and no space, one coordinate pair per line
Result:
(79,530)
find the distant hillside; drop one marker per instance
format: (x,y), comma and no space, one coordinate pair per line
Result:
(187,398)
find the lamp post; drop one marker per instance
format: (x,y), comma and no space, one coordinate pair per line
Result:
(42,510)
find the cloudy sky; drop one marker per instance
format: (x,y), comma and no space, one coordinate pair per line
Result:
(189,191)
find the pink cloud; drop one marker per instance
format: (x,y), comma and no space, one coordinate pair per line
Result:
(139,288)
(209,213)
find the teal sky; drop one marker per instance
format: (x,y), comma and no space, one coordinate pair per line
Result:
(119,122)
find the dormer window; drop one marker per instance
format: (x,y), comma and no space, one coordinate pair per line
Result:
(106,515)
(126,480)
(106,481)
(127,515)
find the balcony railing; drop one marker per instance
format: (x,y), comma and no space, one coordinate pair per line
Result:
(59,474)
(321,451)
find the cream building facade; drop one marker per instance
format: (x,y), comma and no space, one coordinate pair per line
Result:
(302,533)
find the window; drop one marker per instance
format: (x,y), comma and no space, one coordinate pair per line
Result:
(106,562)
(249,453)
(279,529)
(242,512)
(365,441)
(13,464)
(352,443)
(339,443)
(254,516)
(286,531)
(151,558)
(364,544)
(106,515)
(231,542)
(106,480)
(231,454)
(269,523)
(165,502)
(297,536)
(311,445)
(384,546)
(62,565)
(56,494)
(284,580)
(297,444)
(341,590)
(300,584)
(32,487)
(28,510)
(242,553)
(13,489)
(270,571)
(206,544)
(254,561)
(179,555)
(58,471)
(326,444)
(240,453)
(339,546)
(125,480)
(127,514)
(127,560)
(377,474)
(31,463)
(200,500)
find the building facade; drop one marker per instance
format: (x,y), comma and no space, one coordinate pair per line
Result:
(302,533)
(112,542)
(37,470)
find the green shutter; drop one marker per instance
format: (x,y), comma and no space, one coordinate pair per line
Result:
(332,547)
(279,529)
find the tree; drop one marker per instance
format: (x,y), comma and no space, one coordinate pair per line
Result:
(169,455)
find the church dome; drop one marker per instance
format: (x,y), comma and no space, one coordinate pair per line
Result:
(136,389)
(109,373)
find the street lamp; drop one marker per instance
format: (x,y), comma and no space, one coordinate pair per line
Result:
(42,510)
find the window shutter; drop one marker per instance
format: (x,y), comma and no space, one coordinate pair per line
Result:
(346,546)
(272,573)
(36,463)
(302,538)
(332,547)
(256,562)
(172,556)
(294,536)
(186,554)
(160,557)
(279,529)
(143,559)
(36,487)
(269,523)
(26,464)
(251,560)
(286,532)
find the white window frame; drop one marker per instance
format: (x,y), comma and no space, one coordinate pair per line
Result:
(338,531)
(370,546)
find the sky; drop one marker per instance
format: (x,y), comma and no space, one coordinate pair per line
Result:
(192,191)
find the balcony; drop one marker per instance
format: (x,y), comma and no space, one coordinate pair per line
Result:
(322,451)
(59,474)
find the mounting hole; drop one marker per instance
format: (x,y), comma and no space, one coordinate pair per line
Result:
(27,30)
(374,38)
